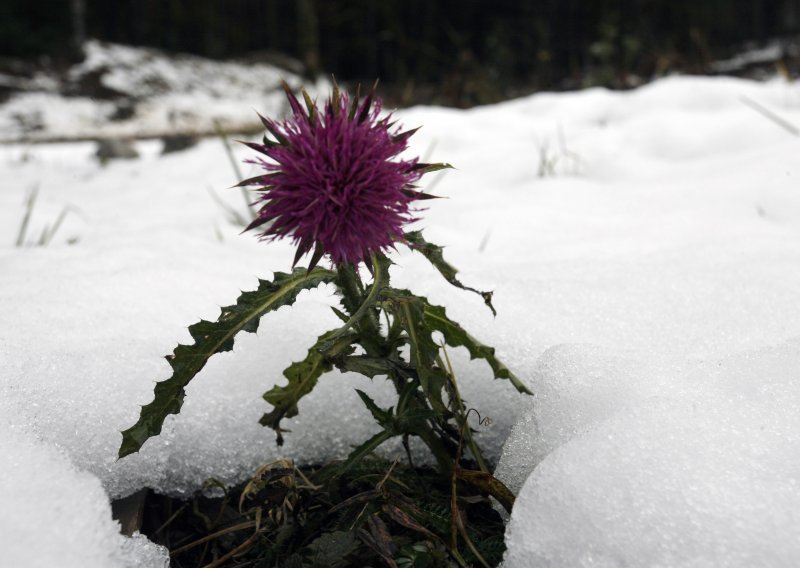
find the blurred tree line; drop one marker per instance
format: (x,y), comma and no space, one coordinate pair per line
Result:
(470,50)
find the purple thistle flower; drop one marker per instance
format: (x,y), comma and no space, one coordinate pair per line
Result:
(334,181)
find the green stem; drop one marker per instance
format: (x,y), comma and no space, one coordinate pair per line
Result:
(354,297)
(463,415)
(440,453)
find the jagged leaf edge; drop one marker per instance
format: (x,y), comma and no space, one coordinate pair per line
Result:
(433,253)
(302,377)
(215,337)
(409,309)
(456,336)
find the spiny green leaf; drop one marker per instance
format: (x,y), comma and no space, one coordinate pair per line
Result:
(302,376)
(414,420)
(380,279)
(215,337)
(455,335)
(340,314)
(381,416)
(409,309)
(364,450)
(368,366)
(434,255)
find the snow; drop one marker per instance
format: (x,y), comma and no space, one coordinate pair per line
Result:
(164,94)
(707,477)
(54,514)
(646,291)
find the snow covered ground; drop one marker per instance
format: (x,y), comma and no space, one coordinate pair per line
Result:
(647,286)
(124,91)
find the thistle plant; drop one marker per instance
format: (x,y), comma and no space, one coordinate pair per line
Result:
(334,182)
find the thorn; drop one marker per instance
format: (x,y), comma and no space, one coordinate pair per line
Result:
(315,258)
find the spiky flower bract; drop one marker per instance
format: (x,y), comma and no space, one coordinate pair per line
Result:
(335,182)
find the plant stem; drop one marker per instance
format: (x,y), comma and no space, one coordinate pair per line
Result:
(466,431)
(353,297)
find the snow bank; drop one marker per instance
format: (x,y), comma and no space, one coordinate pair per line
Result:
(705,477)
(57,515)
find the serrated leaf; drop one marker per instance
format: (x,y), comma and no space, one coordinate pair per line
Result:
(302,376)
(381,416)
(364,450)
(214,337)
(368,366)
(409,309)
(435,256)
(455,335)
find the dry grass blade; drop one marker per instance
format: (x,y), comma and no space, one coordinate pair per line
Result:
(244,547)
(29,203)
(170,519)
(363,497)
(205,539)
(235,165)
(232,214)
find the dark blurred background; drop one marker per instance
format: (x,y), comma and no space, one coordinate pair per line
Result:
(459,52)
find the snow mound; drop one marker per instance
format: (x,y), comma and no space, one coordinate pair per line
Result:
(57,515)
(707,477)
(576,387)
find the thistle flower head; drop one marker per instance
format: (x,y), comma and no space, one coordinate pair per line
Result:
(333,178)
